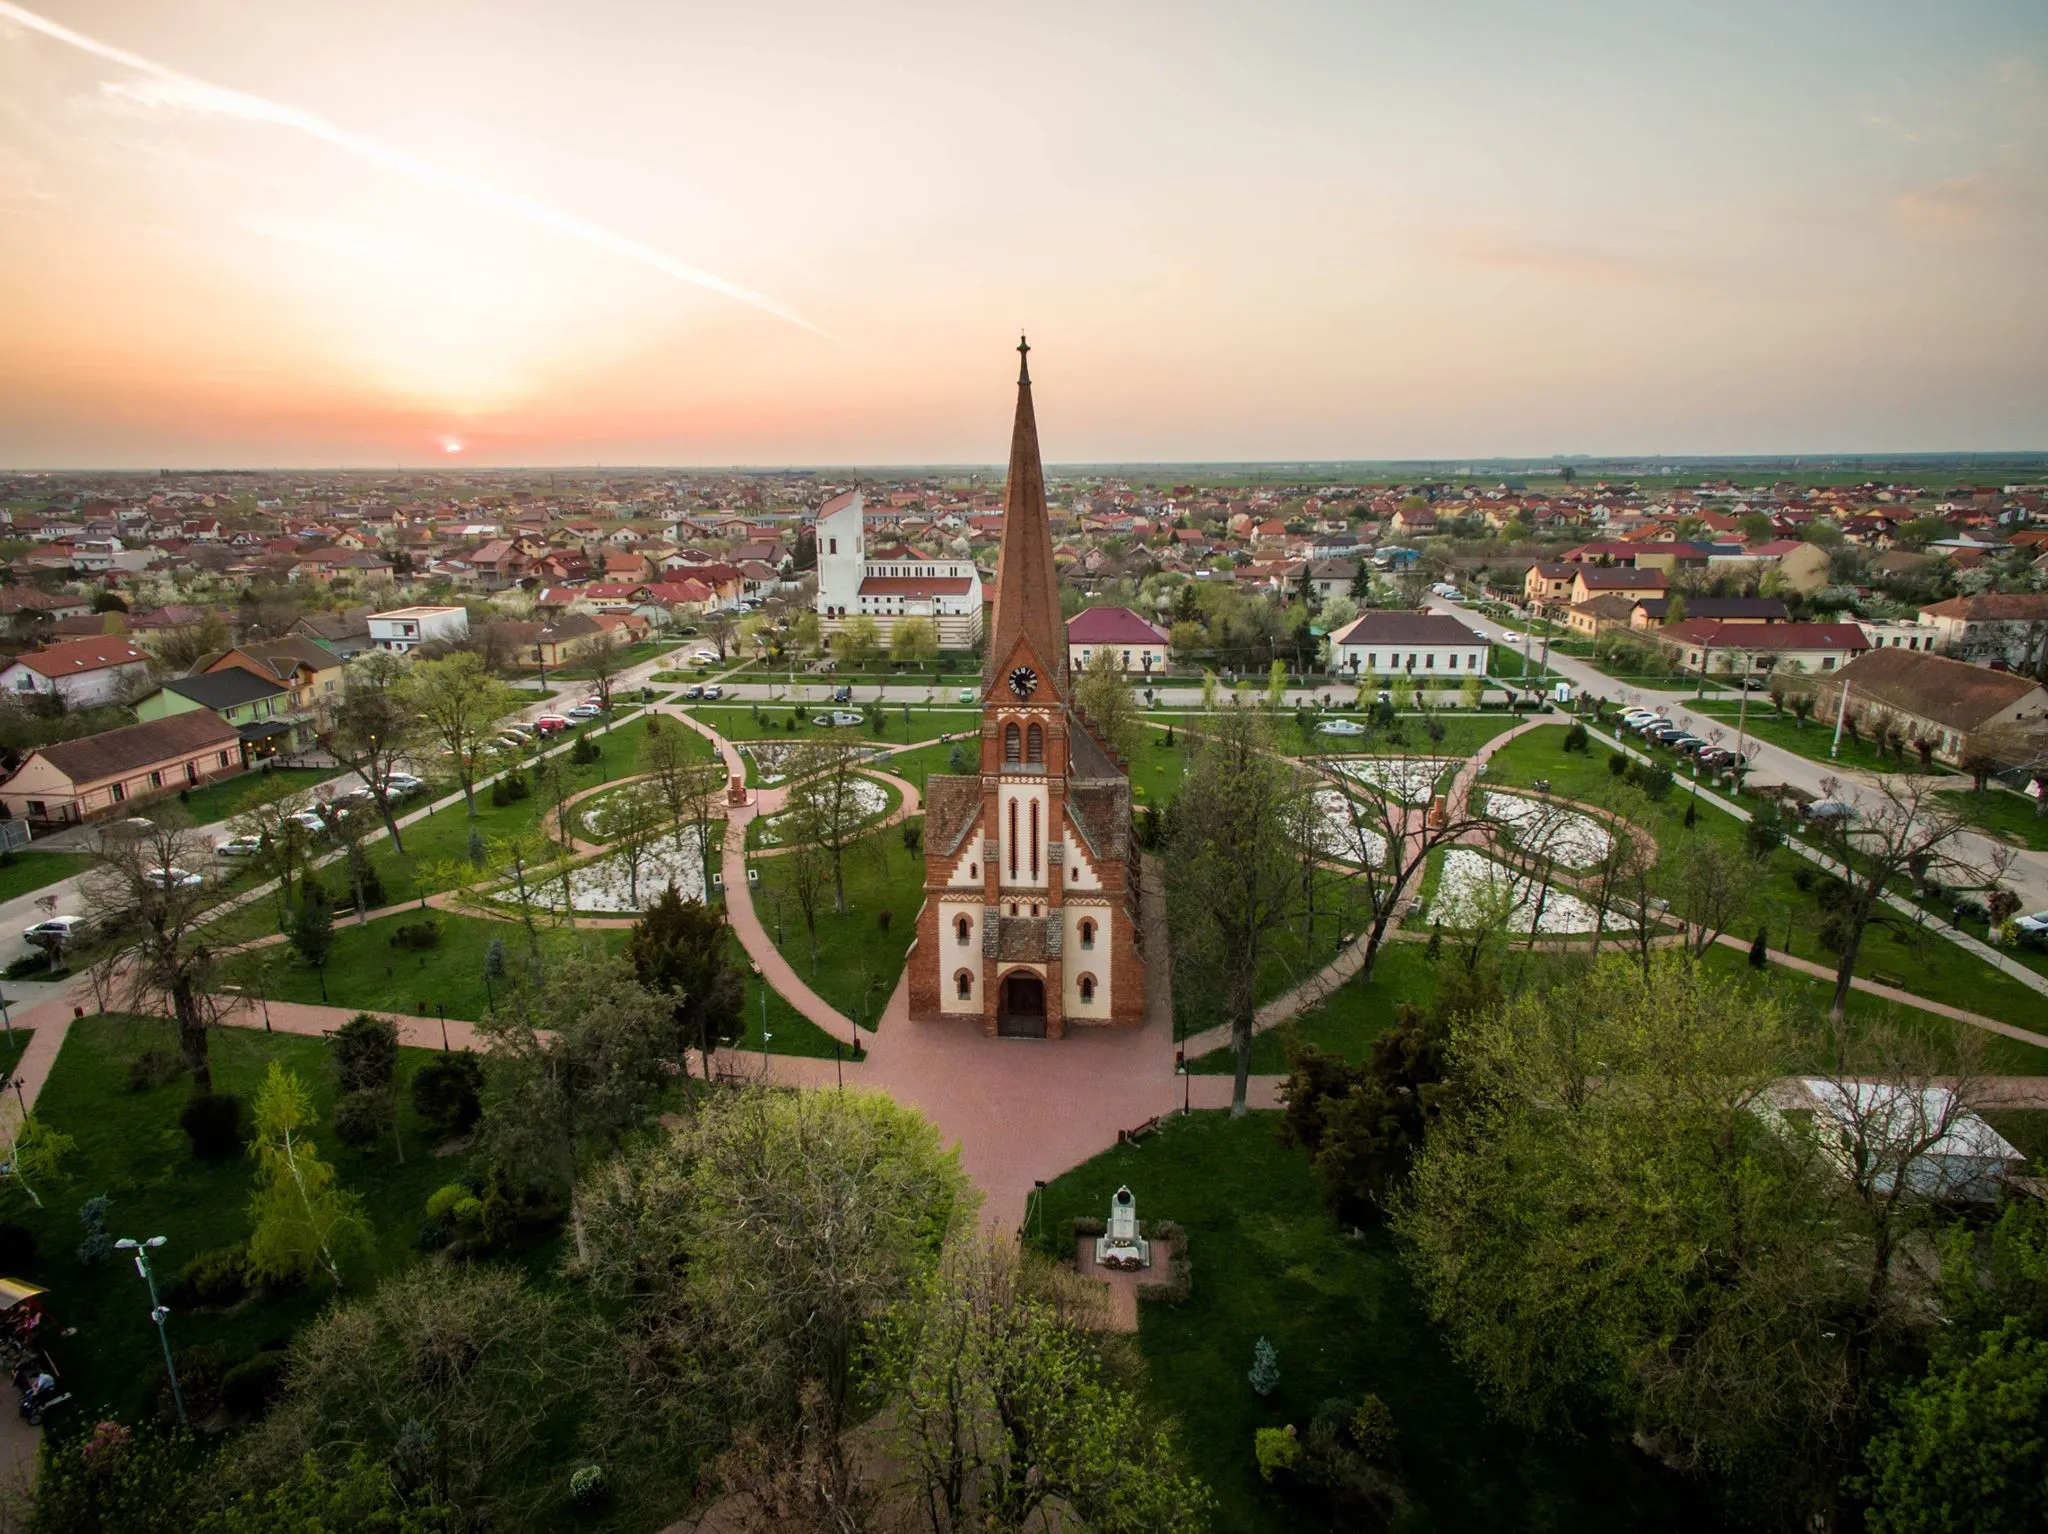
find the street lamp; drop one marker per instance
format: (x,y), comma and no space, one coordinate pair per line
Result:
(158,1312)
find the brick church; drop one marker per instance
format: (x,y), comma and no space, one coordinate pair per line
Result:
(1030,921)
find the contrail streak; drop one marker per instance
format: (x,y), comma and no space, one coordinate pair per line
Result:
(170,88)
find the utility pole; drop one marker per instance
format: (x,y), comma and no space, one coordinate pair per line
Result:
(1841,715)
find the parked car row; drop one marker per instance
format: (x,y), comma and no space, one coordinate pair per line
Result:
(1652,726)
(708,693)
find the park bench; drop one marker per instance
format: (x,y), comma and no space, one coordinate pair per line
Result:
(1133,1136)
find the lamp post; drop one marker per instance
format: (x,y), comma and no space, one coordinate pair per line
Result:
(158,1312)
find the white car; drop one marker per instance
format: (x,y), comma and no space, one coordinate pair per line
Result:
(307,821)
(58,929)
(1340,727)
(2038,922)
(586,711)
(173,878)
(403,783)
(1639,716)
(705,657)
(239,847)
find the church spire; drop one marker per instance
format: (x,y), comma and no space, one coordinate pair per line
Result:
(1027,606)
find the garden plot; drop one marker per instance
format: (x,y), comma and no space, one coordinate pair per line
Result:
(1412,779)
(771,758)
(1338,836)
(603,886)
(1563,835)
(1464,890)
(870,799)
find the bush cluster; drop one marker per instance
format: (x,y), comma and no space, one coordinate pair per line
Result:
(417,934)
(212,1121)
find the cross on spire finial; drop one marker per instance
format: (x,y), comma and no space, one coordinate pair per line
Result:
(1023,360)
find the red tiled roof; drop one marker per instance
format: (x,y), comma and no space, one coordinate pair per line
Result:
(81,655)
(1111,625)
(1846,637)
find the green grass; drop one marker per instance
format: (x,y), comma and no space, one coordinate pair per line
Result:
(1346,1021)
(1930,965)
(2002,813)
(232,796)
(738,722)
(1344,1319)
(1812,741)
(366,972)
(858,961)
(129,1146)
(25,871)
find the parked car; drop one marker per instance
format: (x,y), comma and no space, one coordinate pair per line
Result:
(842,695)
(307,820)
(173,878)
(522,730)
(1828,812)
(839,717)
(1686,745)
(2038,922)
(551,724)
(704,657)
(713,693)
(1752,684)
(1340,727)
(360,794)
(239,847)
(1635,718)
(400,784)
(56,931)
(586,711)
(1718,757)
(694,691)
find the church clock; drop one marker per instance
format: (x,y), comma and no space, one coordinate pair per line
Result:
(1023,681)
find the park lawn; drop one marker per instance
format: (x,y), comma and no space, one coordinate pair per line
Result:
(230,797)
(1159,769)
(858,958)
(365,971)
(1921,961)
(21,872)
(791,1033)
(1345,1319)
(1346,1021)
(769,721)
(129,1146)
(1811,742)
(2003,813)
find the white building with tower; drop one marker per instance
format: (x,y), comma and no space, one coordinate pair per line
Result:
(904,585)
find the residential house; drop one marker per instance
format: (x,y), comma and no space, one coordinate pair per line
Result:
(1140,646)
(1601,615)
(83,672)
(1745,648)
(341,634)
(259,710)
(314,679)
(110,773)
(405,629)
(2004,626)
(1889,634)
(1951,703)
(1418,644)
(1332,577)
(1548,584)
(1653,612)
(1589,581)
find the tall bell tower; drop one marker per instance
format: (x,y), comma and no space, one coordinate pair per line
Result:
(1030,908)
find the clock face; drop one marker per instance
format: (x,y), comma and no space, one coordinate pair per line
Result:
(1023,680)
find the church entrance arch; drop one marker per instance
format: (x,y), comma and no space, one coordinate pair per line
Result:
(1021,1006)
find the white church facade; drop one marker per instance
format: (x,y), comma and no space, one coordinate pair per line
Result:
(852,585)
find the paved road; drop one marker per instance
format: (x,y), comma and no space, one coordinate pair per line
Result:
(2029,874)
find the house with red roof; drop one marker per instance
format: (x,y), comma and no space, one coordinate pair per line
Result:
(1140,646)
(83,672)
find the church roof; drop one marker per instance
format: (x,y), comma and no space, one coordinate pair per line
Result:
(1027,601)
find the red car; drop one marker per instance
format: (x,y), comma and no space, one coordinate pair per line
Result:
(549,724)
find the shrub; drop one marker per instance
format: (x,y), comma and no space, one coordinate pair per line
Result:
(467,1210)
(1178,1280)
(518,788)
(152,1068)
(212,1121)
(1265,1370)
(363,872)
(254,1383)
(1617,765)
(1652,779)
(97,1245)
(448,1092)
(365,1051)
(17,1246)
(654,721)
(219,1277)
(883,918)
(417,934)
(584,752)
(1277,1449)
(200,1372)
(442,1201)
(913,835)
(360,1118)
(586,1486)
(1575,739)
(433,1236)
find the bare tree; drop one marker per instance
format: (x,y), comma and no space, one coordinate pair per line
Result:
(284,843)
(600,653)
(824,804)
(1713,890)
(688,786)
(632,822)
(1390,838)
(374,727)
(1902,831)
(141,885)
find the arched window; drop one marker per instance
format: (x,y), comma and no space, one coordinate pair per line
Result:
(1012,744)
(963,985)
(1034,744)
(1087,932)
(963,928)
(1087,989)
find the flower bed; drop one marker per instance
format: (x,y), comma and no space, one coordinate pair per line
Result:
(603,886)
(1564,835)
(870,799)
(1409,778)
(1339,836)
(1466,875)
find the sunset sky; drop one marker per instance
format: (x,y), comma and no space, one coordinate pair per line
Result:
(370,232)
